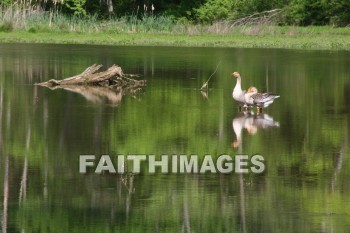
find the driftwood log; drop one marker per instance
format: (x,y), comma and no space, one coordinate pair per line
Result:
(111,77)
(95,86)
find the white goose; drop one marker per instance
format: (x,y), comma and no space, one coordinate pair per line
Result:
(238,93)
(260,100)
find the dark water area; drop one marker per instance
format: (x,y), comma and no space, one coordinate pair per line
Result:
(304,139)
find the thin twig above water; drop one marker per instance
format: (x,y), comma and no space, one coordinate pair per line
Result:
(205,85)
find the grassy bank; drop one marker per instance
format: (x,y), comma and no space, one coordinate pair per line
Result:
(33,25)
(326,41)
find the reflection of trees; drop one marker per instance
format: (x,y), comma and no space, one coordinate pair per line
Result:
(240,120)
(299,161)
(186,217)
(338,159)
(151,198)
(6,196)
(128,181)
(23,188)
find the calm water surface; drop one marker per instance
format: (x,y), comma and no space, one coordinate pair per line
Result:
(304,139)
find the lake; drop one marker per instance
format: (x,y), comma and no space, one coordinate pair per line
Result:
(303,138)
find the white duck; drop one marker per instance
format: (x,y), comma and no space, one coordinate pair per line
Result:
(238,93)
(260,100)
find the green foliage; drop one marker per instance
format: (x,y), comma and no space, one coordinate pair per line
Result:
(292,12)
(39,28)
(318,12)
(340,12)
(313,12)
(214,10)
(184,8)
(6,26)
(5,2)
(32,30)
(77,6)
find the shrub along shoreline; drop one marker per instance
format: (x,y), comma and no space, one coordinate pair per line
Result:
(38,26)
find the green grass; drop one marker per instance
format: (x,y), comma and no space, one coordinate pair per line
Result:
(325,40)
(34,25)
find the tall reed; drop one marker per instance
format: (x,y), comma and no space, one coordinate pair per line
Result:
(35,19)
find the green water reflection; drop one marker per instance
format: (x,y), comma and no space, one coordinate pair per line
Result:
(305,187)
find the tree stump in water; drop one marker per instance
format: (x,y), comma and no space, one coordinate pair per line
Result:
(114,76)
(111,84)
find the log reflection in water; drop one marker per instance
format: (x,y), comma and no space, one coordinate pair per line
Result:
(97,94)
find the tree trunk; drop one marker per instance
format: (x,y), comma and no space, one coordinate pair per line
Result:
(110,8)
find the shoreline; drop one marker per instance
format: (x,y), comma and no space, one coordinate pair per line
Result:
(310,41)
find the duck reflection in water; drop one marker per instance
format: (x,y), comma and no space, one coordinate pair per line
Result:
(250,122)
